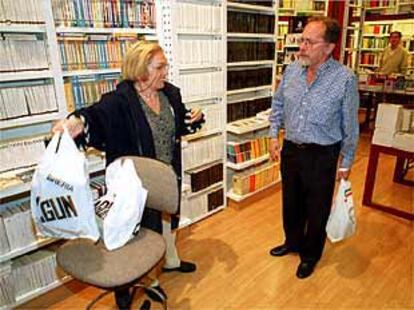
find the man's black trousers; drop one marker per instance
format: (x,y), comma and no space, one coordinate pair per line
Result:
(308,182)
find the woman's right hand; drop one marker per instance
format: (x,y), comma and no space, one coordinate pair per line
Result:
(74,125)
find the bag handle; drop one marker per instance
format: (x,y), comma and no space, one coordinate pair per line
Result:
(53,145)
(67,143)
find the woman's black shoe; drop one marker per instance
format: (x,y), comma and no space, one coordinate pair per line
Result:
(146,305)
(185,267)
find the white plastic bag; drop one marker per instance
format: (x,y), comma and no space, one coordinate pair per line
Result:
(119,212)
(342,221)
(61,199)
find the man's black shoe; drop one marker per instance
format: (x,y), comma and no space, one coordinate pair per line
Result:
(281,250)
(305,269)
(185,267)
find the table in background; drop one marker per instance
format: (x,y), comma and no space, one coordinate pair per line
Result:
(402,156)
(376,95)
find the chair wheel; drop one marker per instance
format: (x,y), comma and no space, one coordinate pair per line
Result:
(146,305)
(156,293)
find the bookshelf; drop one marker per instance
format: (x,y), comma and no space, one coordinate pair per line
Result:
(253,41)
(39,243)
(351,41)
(194,42)
(280,47)
(388,7)
(302,7)
(33,50)
(32,294)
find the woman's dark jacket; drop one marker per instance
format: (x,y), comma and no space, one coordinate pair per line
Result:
(118,126)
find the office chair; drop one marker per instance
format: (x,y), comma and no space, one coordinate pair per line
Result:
(92,264)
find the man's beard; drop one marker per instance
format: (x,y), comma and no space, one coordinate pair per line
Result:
(304,61)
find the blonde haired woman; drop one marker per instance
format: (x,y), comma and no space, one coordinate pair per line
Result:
(144,116)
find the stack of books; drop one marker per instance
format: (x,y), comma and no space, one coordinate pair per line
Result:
(248,77)
(22,51)
(93,51)
(202,151)
(19,99)
(21,11)
(248,108)
(238,152)
(85,90)
(105,13)
(256,178)
(204,177)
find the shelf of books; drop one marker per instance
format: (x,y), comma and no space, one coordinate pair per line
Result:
(302,7)
(29,86)
(16,171)
(253,181)
(250,6)
(389,7)
(282,31)
(24,248)
(194,43)
(251,70)
(55,57)
(243,164)
(21,299)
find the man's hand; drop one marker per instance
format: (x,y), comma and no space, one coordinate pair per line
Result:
(343,173)
(73,124)
(274,149)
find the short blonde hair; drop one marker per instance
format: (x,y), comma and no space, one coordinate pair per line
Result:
(137,58)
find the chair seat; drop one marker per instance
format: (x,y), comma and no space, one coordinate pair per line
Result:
(94,264)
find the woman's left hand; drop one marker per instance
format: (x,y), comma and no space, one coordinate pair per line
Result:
(196,115)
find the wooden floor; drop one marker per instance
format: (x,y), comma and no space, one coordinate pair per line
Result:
(372,270)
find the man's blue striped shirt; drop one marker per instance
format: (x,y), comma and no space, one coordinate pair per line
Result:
(324,112)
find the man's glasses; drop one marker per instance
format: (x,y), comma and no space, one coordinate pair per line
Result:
(308,42)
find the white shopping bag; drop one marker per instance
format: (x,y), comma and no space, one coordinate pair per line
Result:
(119,212)
(342,221)
(61,199)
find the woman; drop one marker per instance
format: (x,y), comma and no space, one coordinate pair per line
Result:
(144,116)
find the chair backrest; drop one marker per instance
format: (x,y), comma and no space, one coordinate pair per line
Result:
(161,182)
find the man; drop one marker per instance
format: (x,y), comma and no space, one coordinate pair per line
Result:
(317,104)
(394,58)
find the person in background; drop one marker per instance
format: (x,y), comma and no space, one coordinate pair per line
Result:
(394,57)
(317,104)
(144,116)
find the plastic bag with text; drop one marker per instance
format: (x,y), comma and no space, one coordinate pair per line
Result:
(61,199)
(120,210)
(342,220)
